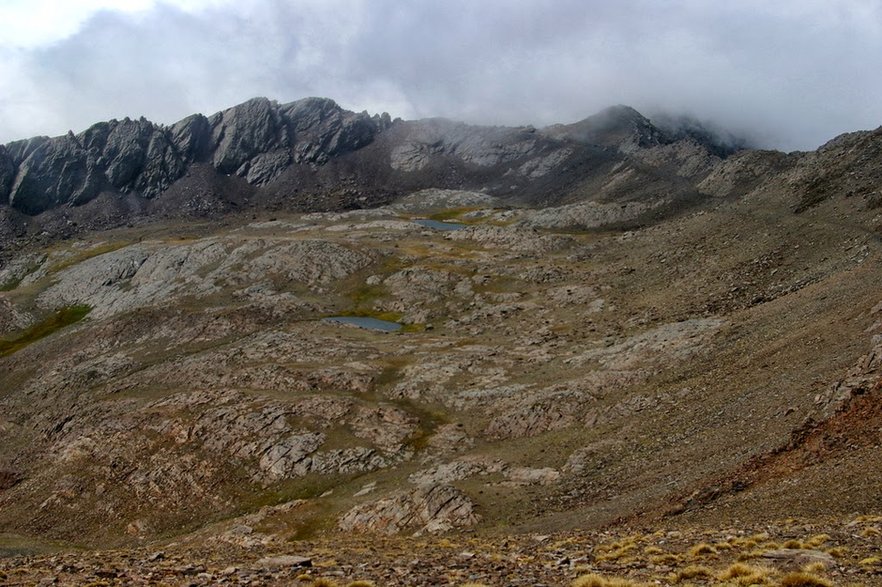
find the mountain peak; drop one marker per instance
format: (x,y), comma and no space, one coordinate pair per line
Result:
(620,127)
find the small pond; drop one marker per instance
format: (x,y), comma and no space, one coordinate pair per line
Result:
(365,322)
(439,225)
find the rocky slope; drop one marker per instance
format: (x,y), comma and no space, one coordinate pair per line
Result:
(173,384)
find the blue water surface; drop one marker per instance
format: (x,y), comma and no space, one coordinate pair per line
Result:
(439,225)
(365,322)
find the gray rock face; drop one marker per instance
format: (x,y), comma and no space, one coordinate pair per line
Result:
(191,137)
(321,129)
(256,140)
(59,171)
(135,154)
(122,155)
(259,139)
(7,173)
(242,131)
(478,146)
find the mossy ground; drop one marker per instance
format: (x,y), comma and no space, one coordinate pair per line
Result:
(47,326)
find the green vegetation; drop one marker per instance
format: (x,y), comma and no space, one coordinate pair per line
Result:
(57,321)
(452,214)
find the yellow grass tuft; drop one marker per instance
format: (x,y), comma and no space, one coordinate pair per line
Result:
(619,552)
(361,584)
(802,579)
(590,580)
(691,572)
(594,580)
(870,561)
(871,532)
(703,549)
(665,559)
(745,574)
(817,567)
(818,540)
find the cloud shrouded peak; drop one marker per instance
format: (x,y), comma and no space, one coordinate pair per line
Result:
(788,74)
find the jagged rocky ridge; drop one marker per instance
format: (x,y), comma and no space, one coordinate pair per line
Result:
(281,149)
(255,140)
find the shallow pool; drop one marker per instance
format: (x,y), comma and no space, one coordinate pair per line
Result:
(365,322)
(439,225)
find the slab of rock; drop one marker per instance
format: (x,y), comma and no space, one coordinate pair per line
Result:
(428,509)
(284,561)
(797,557)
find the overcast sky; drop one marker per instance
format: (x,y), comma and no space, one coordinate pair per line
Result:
(791,74)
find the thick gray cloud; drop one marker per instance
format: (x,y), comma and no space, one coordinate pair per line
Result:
(790,74)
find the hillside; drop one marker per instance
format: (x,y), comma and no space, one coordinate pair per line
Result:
(623,331)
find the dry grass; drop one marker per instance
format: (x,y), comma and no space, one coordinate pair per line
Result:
(702,549)
(691,572)
(870,532)
(361,584)
(322,582)
(870,561)
(594,580)
(803,579)
(742,574)
(818,540)
(817,567)
(617,551)
(665,559)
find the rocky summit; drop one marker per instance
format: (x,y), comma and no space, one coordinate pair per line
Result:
(625,351)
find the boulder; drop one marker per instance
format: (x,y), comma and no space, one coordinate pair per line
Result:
(288,561)
(439,508)
(797,557)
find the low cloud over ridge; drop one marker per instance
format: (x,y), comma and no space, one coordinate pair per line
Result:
(789,74)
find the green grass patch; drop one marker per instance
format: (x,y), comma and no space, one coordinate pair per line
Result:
(453,214)
(364,313)
(366,295)
(11,284)
(57,321)
(15,545)
(310,486)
